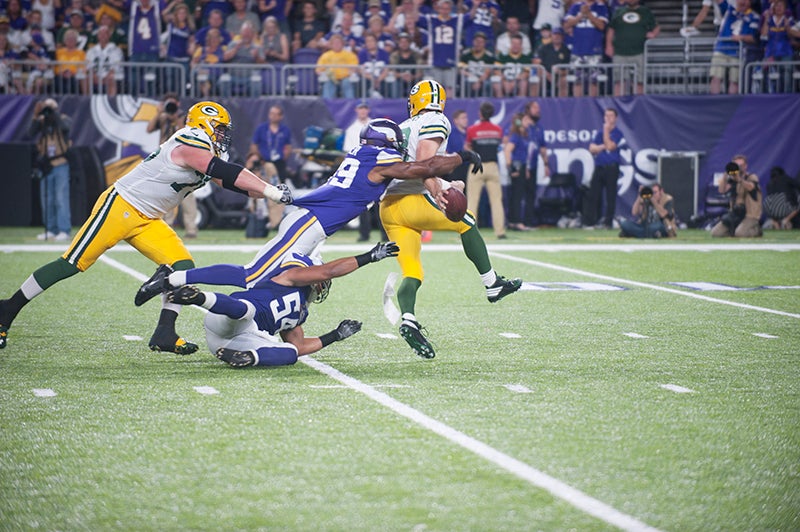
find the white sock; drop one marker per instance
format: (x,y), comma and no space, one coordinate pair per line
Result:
(177,279)
(166,305)
(30,288)
(407,316)
(489,278)
(211,298)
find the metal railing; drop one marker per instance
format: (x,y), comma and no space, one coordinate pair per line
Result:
(772,77)
(682,65)
(677,78)
(233,79)
(604,79)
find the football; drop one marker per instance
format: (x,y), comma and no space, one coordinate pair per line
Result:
(456,204)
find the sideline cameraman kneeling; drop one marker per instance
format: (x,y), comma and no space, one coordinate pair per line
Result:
(656,215)
(745,195)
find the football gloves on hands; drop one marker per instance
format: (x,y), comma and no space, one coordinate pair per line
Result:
(383,250)
(472,157)
(286,194)
(346,329)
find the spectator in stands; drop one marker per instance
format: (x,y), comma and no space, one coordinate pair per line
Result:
(16,16)
(272,143)
(407,58)
(551,13)
(419,36)
(86,10)
(782,202)
(207,57)
(338,13)
(373,61)
(215,21)
(504,40)
(352,42)
(744,190)
(240,15)
(740,26)
(279,9)
(486,138)
(104,61)
(605,147)
(376,8)
(275,44)
(49,10)
(544,37)
(144,31)
(51,129)
(513,71)
(35,28)
(515,150)
(444,30)
(118,36)
(204,8)
(455,143)
(481,16)
(630,27)
(476,68)
(377,28)
(179,40)
(40,74)
(310,30)
(549,55)
(587,21)
(655,214)
(245,48)
(537,148)
(775,30)
(115,10)
(7,78)
(70,77)
(334,75)
(75,23)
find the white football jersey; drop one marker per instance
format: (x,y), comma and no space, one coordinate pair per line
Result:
(426,125)
(157,185)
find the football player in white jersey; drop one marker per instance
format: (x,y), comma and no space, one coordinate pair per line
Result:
(132,210)
(408,209)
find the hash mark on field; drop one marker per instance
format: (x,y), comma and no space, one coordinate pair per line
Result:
(338,386)
(388,336)
(510,335)
(518,388)
(131,337)
(635,335)
(677,389)
(205,390)
(43,392)
(765,335)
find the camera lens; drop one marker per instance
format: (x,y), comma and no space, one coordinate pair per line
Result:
(171,107)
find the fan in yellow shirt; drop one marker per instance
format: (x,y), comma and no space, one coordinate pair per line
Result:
(334,69)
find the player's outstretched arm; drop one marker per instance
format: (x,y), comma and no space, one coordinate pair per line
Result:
(229,175)
(307,345)
(336,268)
(434,166)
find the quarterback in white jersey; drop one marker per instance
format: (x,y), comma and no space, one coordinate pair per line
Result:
(132,209)
(407,210)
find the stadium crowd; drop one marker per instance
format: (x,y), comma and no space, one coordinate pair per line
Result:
(365,48)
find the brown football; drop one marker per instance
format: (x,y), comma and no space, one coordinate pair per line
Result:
(456,204)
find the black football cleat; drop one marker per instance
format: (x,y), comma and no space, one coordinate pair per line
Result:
(167,341)
(3,336)
(236,359)
(414,335)
(501,288)
(155,285)
(187,295)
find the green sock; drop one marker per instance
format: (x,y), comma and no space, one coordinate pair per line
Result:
(475,249)
(53,272)
(407,294)
(182,265)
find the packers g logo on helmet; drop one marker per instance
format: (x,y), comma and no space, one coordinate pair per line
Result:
(426,94)
(215,120)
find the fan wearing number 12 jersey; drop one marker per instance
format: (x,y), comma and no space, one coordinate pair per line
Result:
(360,180)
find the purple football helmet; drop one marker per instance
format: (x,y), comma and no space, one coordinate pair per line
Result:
(384,133)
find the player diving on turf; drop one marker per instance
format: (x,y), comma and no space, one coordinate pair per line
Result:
(133,207)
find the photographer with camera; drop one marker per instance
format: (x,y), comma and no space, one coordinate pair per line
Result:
(52,167)
(167,121)
(656,215)
(742,220)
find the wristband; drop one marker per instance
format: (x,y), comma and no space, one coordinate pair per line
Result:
(364,258)
(329,338)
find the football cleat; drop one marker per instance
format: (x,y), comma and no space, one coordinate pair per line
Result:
(187,295)
(166,341)
(155,285)
(414,335)
(3,336)
(501,288)
(237,359)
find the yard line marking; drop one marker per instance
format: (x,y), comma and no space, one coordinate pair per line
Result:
(518,388)
(510,335)
(125,269)
(344,386)
(522,470)
(642,285)
(131,337)
(675,388)
(388,336)
(44,392)
(635,335)
(205,390)
(765,335)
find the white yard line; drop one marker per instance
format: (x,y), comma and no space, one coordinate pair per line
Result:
(584,273)
(677,389)
(43,392)
(206,390)
(765,335)
(517,388)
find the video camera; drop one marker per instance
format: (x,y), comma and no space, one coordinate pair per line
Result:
(646,193)
(171,107)
(731,169)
